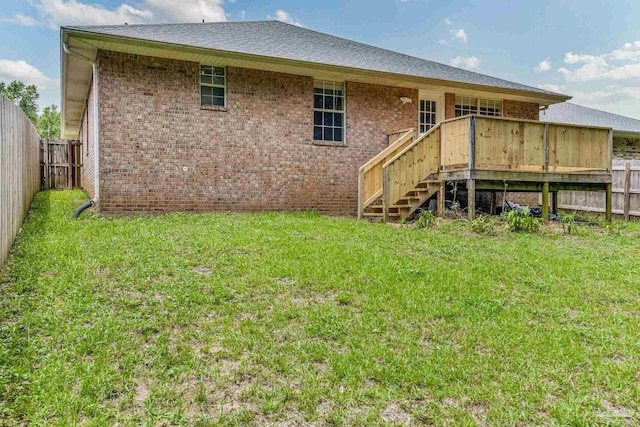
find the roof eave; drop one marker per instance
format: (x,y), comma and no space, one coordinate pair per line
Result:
(93,35)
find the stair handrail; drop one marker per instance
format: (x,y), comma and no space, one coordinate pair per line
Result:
(377,160)
(386,183)
(410,146)
(384,153)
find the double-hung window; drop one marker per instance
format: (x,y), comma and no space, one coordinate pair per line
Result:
(213,86)
(328,111)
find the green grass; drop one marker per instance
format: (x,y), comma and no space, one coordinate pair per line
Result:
(234,319)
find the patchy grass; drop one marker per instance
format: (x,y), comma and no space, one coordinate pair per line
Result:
(276,318)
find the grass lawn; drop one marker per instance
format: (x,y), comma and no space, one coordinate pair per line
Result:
(297,319)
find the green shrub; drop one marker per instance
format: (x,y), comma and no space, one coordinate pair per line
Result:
(426,219)
(522,220)
(615,228)
(569,224)
(483,224)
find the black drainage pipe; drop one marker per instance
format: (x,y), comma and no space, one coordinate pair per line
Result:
(82,207)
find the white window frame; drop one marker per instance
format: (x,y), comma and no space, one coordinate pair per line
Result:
(223,86)
(316,84)
(467,105)
(421,111)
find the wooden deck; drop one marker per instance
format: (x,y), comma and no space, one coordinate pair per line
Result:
(486,153)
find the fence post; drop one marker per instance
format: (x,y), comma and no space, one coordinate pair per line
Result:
(627,190)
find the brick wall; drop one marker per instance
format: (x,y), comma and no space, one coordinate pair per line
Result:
(520,110)
(449,105)
(626,148)
(161,152)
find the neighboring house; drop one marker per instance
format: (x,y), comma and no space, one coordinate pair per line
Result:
(626,131)
(271,116)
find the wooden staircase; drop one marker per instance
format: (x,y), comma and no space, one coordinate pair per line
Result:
(401,178)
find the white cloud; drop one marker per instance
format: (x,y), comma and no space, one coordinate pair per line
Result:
(551,87)
(54,13)
(243,14)
(543,66)
(469,62)
(564,71)
(459,34)
(571,58)
(26,73)
(284,16)
(443,42)
(619,64)
(447,21)
(20,19)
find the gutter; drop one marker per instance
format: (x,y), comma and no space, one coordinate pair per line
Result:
(96,123)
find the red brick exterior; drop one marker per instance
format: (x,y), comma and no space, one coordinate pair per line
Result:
(159,151)
(449,105)
(520,110)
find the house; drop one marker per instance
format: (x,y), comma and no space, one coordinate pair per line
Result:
(271,116)
(626,131)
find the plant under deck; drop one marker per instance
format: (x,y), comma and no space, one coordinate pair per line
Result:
(266,318)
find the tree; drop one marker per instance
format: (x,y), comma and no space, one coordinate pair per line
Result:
(49,123)
(26,97)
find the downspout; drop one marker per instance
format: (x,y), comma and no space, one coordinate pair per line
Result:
(96,133)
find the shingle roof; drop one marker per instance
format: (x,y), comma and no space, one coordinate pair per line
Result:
(567,112)
(281,40)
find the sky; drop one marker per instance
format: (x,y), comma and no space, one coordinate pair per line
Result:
(588,49)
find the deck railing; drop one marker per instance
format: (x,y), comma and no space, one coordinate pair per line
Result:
(504,144)
(480,143)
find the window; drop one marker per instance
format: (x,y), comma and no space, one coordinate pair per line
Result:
(466,106)
(427,115)
(490,107)
(485,107)
(213,86)
(328,111)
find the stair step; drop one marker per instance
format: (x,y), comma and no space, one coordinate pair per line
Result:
(379,214)
(427,183)
(378,208)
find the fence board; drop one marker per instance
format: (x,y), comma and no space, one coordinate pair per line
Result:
(19,171)
(595,201)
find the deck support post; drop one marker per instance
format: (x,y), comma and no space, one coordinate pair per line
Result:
(492,209)
(471,199)
(608,215)
(554,202)
(545,202)
(441,198)
(386,185)
(360,194)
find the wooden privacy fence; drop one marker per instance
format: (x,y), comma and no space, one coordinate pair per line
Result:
(61,164)
(19,171)
(626,192)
